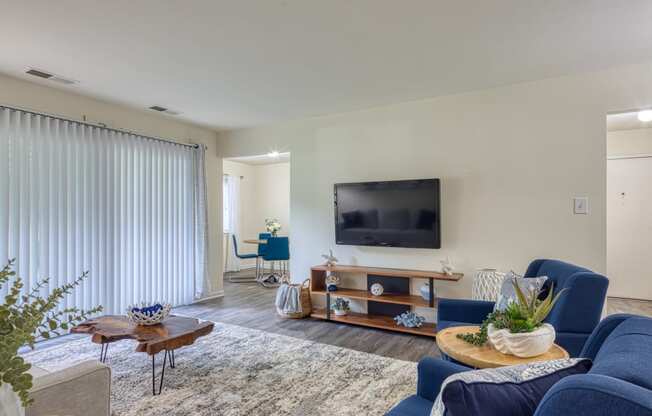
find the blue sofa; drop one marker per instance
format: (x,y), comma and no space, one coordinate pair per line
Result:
(574,316)
(619,383)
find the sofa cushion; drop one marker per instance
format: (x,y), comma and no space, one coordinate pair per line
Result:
(412,406)
(507,293)
(505,391)
(36,371)
(626,353)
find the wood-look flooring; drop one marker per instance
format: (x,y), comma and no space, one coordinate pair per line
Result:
(252,306)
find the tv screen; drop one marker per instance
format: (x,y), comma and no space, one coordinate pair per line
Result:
(391,214)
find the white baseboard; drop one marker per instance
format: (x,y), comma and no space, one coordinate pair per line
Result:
(214,295)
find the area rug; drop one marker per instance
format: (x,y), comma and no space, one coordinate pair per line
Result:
(241,371)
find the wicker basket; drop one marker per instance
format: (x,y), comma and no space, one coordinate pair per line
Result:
(306,304)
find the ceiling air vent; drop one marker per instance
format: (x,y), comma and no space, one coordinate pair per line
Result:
(165,110)
(49,76)
(40,74)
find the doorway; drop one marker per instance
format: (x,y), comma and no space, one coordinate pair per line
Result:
(629,205)
(256,194)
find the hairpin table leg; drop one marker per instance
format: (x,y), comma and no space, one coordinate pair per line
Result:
(104,351)
(160,387)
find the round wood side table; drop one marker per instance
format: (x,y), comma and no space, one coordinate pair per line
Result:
(486,356)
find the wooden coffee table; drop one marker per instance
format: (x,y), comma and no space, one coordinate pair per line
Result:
(173,333)
(485,356)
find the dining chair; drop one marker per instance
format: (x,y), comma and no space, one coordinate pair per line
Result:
(243,279)
(277,250)
(262,248)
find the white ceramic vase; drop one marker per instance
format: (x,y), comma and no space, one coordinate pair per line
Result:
(10,404)
(524,345)
(339,312)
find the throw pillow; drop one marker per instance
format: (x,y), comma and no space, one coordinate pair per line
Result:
(508,294)
(506,391)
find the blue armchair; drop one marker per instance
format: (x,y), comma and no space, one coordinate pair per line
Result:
(574,316)
(619,383)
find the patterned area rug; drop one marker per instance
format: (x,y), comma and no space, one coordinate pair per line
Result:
(240,371)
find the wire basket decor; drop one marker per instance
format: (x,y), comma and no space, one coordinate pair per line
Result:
(148,313)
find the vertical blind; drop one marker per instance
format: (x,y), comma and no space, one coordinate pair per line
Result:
(126,208)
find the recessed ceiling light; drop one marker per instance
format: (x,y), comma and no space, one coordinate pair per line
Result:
(273,154)
(645,115)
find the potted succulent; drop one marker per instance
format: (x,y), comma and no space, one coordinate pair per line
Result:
(341,306)
(272,226)
(519,330)
(25,317)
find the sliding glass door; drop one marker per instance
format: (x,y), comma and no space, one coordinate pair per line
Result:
(76,197)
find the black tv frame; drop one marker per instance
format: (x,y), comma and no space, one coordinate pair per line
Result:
(437,205)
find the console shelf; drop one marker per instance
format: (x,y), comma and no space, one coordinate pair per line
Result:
(385,298)
(397,301)
(376,321)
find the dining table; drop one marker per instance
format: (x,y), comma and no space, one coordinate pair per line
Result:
(254,241)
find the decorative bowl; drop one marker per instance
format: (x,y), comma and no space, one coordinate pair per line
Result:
(146,313)
(525,344)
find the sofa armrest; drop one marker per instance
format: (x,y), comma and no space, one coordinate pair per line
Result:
(433,372)
(463,310)
(601,332)
(81,390)
(595,395)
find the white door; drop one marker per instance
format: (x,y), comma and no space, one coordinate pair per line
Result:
(629,227)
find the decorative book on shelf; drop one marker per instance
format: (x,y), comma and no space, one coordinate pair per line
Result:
(381,310)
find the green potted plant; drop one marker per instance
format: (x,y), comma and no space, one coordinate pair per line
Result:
(341,306)
(25,318)
(519,330)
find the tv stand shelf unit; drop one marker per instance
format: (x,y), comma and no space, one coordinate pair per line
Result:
(377,316)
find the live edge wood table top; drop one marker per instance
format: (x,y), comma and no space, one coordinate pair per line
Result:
(174,332)
(486,356)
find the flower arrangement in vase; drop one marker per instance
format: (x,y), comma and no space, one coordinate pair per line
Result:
(341,306)
(519,329)
(272,226)
(24,317)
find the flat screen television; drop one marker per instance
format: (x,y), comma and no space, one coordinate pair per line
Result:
(391,214)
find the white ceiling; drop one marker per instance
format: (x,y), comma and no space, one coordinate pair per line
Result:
(626,121)
(241,63)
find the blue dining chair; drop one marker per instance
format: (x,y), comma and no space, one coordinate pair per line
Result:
(262,248)
(243,257)
(277,250)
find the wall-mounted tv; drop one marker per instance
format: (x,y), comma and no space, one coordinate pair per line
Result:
(391,214)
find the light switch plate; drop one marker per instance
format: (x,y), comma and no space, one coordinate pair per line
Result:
(581,205)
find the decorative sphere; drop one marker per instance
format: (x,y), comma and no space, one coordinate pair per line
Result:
(377,289)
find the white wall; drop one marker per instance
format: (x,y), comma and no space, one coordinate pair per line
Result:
(273,194)
(629,142)
(264,193)
(15,92)
(510,160)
